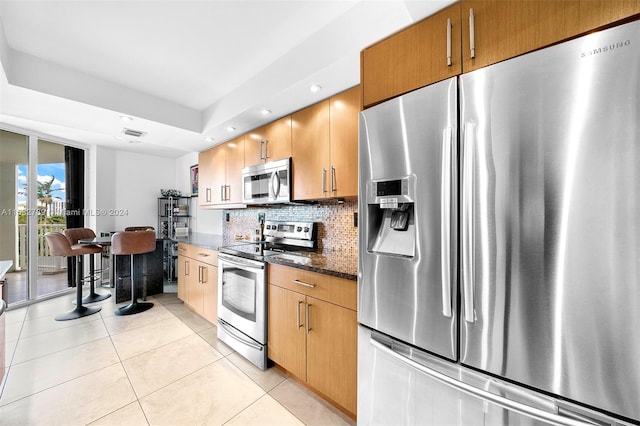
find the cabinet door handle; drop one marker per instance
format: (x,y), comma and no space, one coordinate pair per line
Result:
(221,192)
(227,193)
(333,179)
(303,283)
(308,308)
(472,35)
(324,179)
(199,274)
(261,143)
(186,267)
(448,42)
(204,274)
(298,324)
(266,149)
(207,195)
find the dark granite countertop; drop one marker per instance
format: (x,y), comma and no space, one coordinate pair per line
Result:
(210,241)
(330,262)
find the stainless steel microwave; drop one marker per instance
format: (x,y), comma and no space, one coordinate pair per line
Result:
(267,183)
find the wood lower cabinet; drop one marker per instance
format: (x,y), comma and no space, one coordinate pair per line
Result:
(417,56)
(325,148)
(198,280)
(268,143)
(312,331)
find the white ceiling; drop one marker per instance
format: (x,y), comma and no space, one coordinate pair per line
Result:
(183,70)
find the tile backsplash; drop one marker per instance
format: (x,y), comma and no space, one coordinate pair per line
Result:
(336,230)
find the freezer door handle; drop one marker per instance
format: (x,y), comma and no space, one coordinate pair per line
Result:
(445,221)
(468,267)
(526,410)
(472,34)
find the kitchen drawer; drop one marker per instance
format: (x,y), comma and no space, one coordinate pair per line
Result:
(332,289)
(202,254)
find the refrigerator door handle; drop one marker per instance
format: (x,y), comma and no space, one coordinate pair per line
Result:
(468,272)
(501,401)
(445,221)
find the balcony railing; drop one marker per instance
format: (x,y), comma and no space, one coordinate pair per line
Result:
(47,263)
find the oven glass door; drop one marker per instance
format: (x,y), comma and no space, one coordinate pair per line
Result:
(242,295)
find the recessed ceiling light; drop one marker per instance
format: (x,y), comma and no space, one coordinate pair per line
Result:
(315,88)
(126,118)
(209,139)
(230,129)
(266,111)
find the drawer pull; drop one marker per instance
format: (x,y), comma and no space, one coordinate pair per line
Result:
(203,254)
(304,284)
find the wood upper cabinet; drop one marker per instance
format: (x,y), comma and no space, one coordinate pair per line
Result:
(417,56)
(598,13)
(343,136)
(312,330)
(495,30)
(325,148)
(268,143)
(234,155)
(220,170)
(310,151)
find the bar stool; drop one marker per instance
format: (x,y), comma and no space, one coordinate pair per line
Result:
(132,243)
(73,235)
(59,246)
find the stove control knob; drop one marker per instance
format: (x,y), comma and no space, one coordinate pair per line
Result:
(268,226)
(299,229)
(306,229)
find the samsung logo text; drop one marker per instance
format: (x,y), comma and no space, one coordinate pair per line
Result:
(606,48)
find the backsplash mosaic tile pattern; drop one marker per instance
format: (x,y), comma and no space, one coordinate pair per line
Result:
(336,230)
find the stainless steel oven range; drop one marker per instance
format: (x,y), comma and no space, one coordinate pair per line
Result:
(242,286)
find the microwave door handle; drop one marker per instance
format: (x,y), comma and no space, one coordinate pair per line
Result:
(275,184)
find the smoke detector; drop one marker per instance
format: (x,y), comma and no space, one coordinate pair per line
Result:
(134,133)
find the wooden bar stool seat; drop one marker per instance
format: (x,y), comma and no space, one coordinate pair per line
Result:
(59,246)
(74,235)
(133,243)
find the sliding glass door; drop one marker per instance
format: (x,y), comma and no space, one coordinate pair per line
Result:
(34,201)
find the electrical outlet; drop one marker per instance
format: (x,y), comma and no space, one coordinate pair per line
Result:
(227,217)
(355,219)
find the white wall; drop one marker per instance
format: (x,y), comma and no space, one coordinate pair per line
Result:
(126,188)
(202,221)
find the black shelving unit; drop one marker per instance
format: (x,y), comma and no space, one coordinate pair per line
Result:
(173,223)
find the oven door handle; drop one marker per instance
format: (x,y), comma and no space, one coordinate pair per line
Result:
(239,261)
(234,333)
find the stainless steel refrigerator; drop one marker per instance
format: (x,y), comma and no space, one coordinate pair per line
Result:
(499,267)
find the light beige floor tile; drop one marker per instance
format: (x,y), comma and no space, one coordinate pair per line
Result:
(47,371)
(195,321)
(159,367)
(307,406)
(16,315)
(267,379)
(58,340)
(166,298)
(77,402)
(9,350)
(12,331)
(119,324)
(177,308)
(130,415)
(210,335)
(210,396)
(265,412)
(142,339)
(35,326)
(51,307)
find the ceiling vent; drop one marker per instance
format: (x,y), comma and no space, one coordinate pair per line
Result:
(134,133)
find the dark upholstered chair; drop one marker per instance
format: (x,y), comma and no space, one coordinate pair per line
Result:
(74,235)
(133,243)
(59,246)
